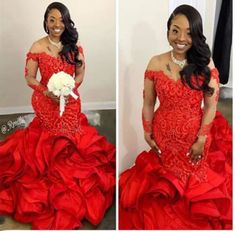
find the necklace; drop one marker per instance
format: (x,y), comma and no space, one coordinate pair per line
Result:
(180,63)
(58,45)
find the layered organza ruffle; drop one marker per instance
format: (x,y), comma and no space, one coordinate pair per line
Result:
(54,181)
(152,197)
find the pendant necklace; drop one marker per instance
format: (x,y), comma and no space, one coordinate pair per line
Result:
(180,63)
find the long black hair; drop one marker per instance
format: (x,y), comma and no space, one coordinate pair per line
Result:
(69,37)
(198,56)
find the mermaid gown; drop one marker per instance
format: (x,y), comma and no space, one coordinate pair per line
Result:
(59,170)
(167,191)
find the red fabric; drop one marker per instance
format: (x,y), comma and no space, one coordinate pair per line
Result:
(167,191)
(147,125)
(59,170)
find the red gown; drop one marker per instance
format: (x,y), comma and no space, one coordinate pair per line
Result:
(59,170)
(168,192)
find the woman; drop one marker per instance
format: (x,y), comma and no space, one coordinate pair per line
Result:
(184,181)
(58,171)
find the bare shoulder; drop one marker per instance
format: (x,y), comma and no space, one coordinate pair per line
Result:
(39,45)
(211,64)
(79,43)
(157,62)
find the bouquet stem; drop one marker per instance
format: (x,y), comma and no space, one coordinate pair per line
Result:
(62,105)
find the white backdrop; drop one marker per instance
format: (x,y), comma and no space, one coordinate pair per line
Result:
(142,28)
(22,23)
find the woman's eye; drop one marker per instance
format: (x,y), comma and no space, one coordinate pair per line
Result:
(174,31)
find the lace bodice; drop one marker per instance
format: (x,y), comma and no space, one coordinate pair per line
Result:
(177,121)
(45,108)
(48,65)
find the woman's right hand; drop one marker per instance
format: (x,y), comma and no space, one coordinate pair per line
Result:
(148,138)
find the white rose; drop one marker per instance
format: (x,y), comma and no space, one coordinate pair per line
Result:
(61,84)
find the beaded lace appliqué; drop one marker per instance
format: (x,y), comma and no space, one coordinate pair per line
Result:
(45,108)
(147,125)
(176,125)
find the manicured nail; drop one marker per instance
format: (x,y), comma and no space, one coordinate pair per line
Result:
(187,154)
(159,151)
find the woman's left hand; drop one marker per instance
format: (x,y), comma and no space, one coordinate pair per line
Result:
(196,151)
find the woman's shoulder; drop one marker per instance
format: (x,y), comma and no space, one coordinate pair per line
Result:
(213,71)
(156,65)
(78,44)
(39,45)
(157,62)
(211,64)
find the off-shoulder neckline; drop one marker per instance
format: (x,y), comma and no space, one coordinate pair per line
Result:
(156,71)
(43,53)
(169,77)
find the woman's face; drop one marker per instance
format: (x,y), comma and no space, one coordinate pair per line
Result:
(55,23)
(179,35)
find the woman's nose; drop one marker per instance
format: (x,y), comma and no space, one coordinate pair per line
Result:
(181,36)
(57,23)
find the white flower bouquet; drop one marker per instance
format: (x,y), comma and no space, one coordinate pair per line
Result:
(61,84)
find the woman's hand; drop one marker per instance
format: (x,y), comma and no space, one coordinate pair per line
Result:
(148,138)
(196,151)
(54,97)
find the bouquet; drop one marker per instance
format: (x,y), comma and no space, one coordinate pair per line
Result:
(61,84)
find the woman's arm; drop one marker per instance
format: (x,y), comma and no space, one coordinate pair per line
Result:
(210,105)
(80,70)
(149,100)
(31,69)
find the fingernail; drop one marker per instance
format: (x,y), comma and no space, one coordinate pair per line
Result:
(159,151)
(187,154)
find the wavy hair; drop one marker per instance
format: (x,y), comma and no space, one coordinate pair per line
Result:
(69,37)
(198,56)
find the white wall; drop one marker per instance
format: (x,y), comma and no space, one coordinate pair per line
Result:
(22,23)
(142,27)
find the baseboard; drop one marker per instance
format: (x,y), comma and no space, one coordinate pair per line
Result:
(110,105)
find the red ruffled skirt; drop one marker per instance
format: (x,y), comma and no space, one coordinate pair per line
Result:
(152,197)
(54,182)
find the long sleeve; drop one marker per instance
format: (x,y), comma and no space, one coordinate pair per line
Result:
(80,70)
(210,105)
(149,100)
(31,68)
